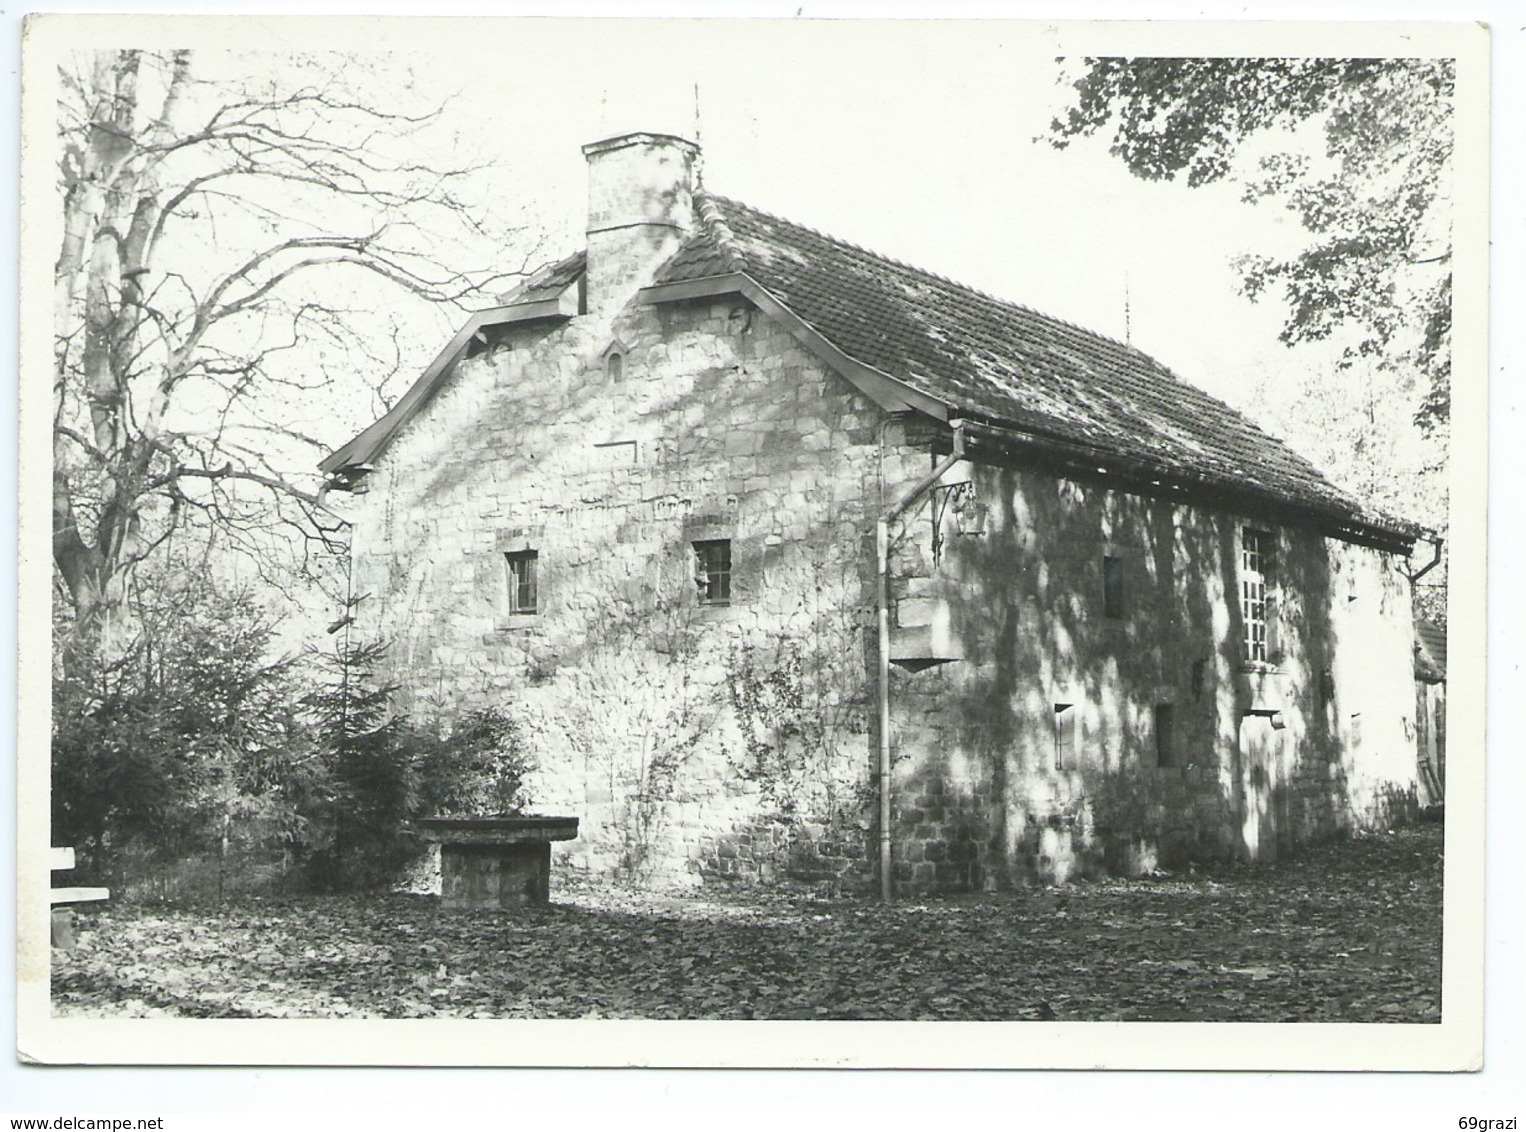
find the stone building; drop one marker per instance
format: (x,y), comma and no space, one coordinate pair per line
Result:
(765,539)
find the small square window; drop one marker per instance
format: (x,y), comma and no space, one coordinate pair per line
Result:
(1112,587)
(1064,736)
(712,570)
(1165,735)
(522,596)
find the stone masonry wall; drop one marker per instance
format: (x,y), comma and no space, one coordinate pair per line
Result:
(735,742)
(1327,742)
(692,739)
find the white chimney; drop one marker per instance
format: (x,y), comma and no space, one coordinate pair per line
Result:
(640,209)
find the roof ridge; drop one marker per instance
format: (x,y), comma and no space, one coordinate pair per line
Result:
(714,221)
(948,280)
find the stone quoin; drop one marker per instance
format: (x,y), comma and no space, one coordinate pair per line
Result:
(707,504)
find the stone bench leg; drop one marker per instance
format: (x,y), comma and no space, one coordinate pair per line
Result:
(495,876)
(61,929)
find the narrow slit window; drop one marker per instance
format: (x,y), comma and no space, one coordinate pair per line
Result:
(1112,587)
(1165,735)
(712,570)
(1064,736)
(522,582)
(614,367)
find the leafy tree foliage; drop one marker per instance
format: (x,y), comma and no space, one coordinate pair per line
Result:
(384,770)
(194,736)
(480,767)
(1376,273)
(190,728)
(372,788)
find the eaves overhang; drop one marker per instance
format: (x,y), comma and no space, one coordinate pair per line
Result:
(1144,476)
(895,395)
(374,440)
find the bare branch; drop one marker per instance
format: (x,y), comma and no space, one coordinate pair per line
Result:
(208,229)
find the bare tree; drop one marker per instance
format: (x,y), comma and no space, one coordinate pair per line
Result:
(225,239)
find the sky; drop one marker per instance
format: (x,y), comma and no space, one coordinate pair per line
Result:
(925,141)
(927,148)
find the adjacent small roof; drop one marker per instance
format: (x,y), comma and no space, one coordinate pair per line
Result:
(1430,651)
(550,281)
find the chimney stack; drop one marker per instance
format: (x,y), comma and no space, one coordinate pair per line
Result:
(640,210)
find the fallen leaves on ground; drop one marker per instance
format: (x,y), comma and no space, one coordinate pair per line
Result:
(1349,933)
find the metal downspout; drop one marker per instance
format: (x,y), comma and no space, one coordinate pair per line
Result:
(882,607)
(1432,564)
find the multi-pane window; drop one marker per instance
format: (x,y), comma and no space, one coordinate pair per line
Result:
(521,565)
(712,570)
(1064,736)
(1255,591)
(1112,586)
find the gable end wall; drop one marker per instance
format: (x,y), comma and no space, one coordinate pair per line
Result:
(692,740)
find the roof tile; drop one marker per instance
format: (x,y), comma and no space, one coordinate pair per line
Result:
(997,361)
(548,282)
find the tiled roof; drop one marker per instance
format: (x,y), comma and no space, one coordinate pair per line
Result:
(549,281)
(1430,650)
(1002,363)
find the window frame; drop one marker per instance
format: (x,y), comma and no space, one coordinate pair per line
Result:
(522,569)
(712,580)
(614,363)
(1066,728)
(1167,748)
(1258,595)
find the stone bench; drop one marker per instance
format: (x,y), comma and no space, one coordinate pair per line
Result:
(496,862)
(61,900)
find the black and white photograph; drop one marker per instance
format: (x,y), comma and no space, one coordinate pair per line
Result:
(913,523)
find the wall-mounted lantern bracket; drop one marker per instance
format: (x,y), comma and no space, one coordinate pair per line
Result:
(970,513)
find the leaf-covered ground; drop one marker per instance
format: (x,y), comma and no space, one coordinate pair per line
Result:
(1349,933)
